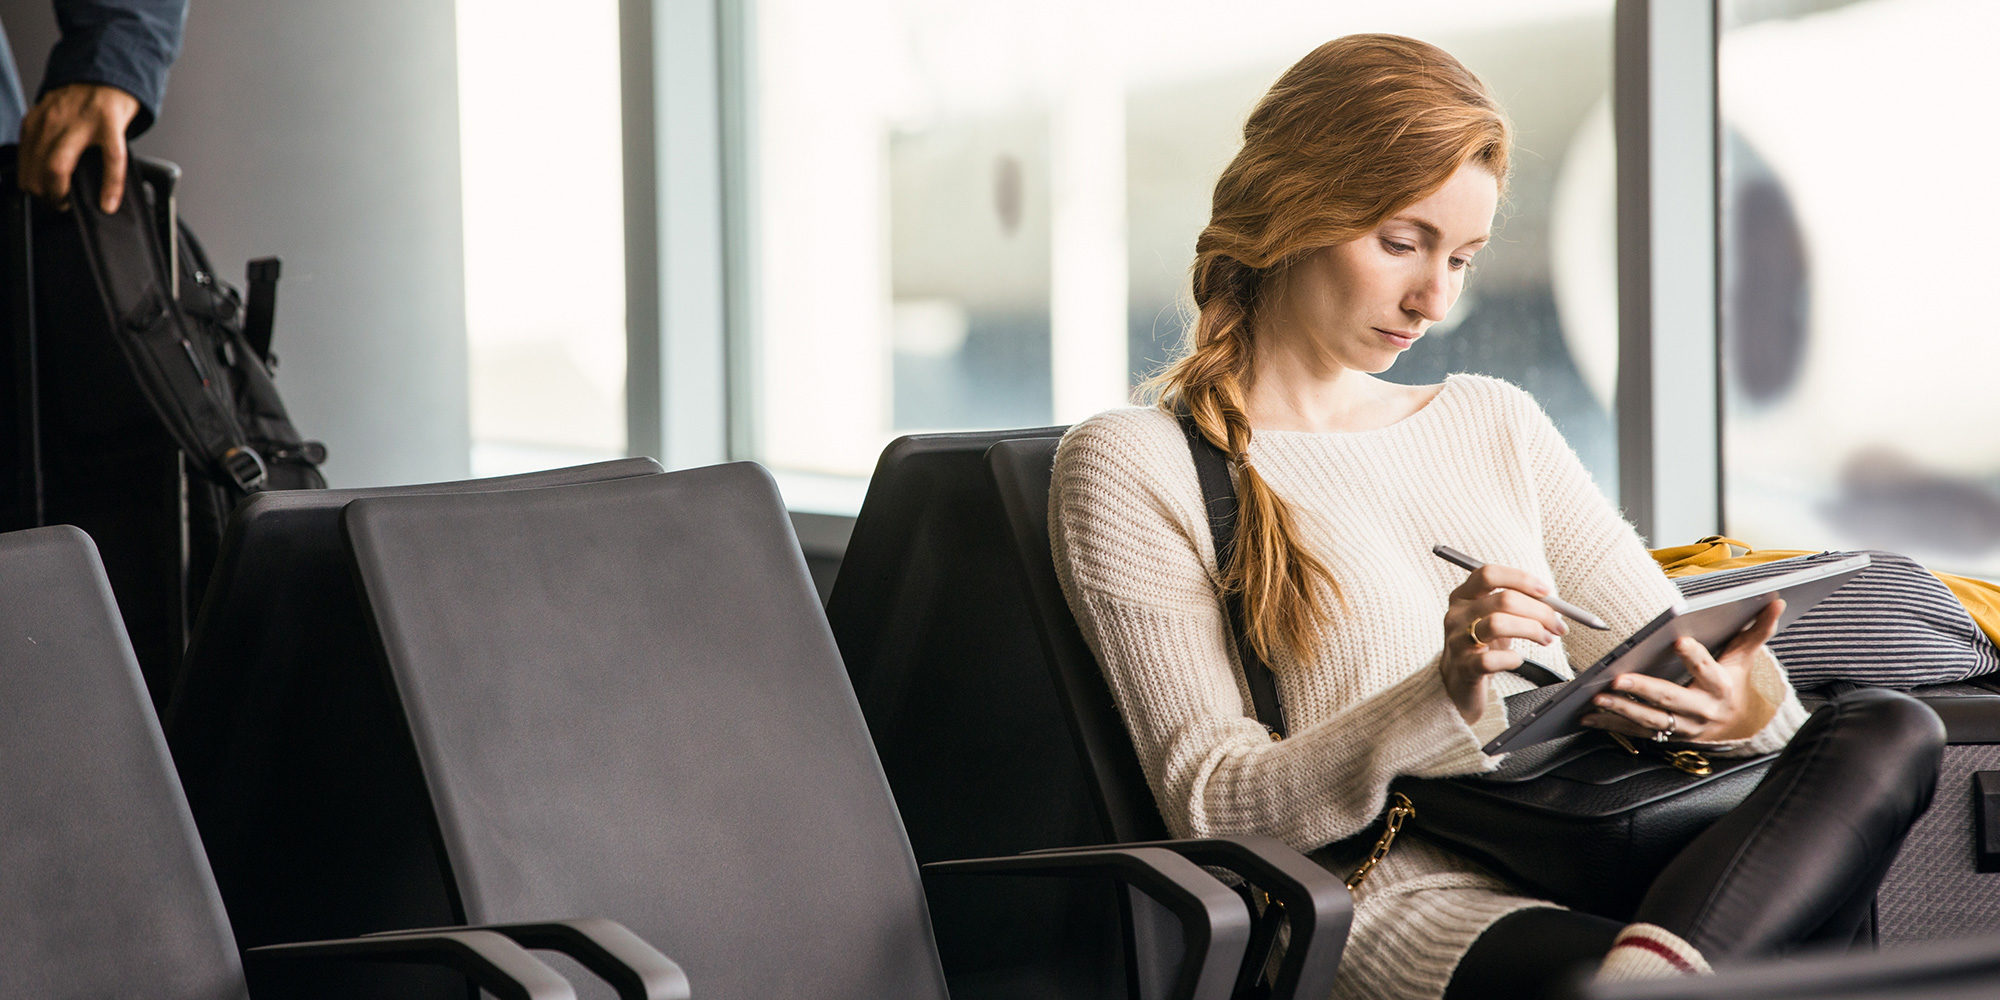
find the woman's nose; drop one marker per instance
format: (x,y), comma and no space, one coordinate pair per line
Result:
(1432,296)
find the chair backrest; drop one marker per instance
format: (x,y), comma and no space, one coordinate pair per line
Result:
(626,703)
(104,891)
(940,644)
(941,655)
(283,731)
(1021,472)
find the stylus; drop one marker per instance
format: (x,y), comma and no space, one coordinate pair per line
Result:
(1571,611)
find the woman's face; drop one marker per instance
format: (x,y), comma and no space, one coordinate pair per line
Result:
(1360,304)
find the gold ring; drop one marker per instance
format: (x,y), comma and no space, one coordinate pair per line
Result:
(1473,630)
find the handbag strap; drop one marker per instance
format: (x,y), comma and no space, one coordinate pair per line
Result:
(1218,498)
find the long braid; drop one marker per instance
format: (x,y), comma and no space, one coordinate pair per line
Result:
(1270,567)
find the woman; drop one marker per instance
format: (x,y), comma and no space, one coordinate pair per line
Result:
(1341,232)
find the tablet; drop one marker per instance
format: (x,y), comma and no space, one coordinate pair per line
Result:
(1712,618)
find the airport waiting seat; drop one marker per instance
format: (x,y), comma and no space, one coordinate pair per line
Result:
(282,729)
(1019,473)
(107,892)
(623,699)
(967,727)
(989,750)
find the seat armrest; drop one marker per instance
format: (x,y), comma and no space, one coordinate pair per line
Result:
(1215,923)
(492,962)
(635,969)
(1314,901)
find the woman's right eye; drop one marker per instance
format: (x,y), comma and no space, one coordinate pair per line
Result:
(1397,247)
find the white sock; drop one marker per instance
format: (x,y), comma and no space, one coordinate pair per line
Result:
(1646,951)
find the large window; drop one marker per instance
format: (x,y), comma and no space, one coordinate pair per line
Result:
(544,253)
(1859,344)
(982,215)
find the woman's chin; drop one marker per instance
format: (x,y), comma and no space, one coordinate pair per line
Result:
(1382,363)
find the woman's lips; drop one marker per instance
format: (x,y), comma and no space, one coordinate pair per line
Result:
(1398,339)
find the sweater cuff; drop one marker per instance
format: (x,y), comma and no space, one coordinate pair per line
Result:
(1775,734)
(1494,721)
(1445,745)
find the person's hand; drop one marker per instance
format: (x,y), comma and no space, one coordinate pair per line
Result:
(65,122)
(1495,604)
(1718,704)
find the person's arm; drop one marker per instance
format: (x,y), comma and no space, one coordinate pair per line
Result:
(105,81)
(1600,564)
(1131,549)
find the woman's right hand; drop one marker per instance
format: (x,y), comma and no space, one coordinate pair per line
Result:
(1493,605)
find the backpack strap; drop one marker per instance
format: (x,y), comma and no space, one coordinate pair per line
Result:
(1218,498)
(261,307)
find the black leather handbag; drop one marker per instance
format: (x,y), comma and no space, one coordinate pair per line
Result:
(1586,820)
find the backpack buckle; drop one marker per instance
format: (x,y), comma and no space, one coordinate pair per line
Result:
(245,468)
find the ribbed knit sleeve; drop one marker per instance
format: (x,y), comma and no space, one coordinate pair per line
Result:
(1600,564)
(1131,547)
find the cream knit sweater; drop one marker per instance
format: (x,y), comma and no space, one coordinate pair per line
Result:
(1479,468)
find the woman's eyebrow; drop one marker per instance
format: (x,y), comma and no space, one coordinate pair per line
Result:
(1437,235)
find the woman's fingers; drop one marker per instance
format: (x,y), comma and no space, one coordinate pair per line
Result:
(1709,672)
(1615,723)
(1494,576)
(1662,694)
(1758,632)
(1495,604)
(1712,705)
(1649,717)
(1493,627)
(1494,660)
(1510,614)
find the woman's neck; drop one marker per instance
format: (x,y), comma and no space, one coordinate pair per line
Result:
(1289,393)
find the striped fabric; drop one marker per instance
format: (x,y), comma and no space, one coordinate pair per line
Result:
(1894,625)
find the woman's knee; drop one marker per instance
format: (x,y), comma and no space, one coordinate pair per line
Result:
(1889,735)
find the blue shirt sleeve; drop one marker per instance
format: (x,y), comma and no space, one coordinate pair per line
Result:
(125,43)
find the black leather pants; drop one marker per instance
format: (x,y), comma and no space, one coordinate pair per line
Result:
(1795,865)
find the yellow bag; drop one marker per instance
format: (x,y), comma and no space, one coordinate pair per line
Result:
(1716,552)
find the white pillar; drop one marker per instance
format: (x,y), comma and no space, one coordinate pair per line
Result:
(1087,259)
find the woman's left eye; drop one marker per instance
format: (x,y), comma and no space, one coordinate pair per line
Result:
(1461,263)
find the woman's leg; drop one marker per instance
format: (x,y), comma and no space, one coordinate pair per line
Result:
(1798,862)
(1530,953)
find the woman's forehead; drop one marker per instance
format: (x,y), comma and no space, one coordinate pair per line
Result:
(1459,212)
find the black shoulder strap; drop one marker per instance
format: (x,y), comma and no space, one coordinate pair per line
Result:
(1218,497)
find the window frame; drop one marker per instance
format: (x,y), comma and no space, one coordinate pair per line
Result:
(691,235)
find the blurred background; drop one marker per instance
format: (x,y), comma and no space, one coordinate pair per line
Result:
(520,235)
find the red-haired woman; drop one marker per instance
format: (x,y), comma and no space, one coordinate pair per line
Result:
(1343,230)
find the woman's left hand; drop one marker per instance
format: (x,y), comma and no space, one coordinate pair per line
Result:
(1717,705)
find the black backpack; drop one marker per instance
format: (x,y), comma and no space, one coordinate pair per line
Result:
(201,355)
